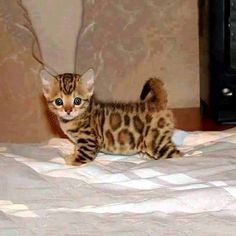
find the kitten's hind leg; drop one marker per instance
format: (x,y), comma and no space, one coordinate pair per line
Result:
(164,150)
(169,150)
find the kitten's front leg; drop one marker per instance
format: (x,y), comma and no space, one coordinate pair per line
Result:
(85,151)
(71,160)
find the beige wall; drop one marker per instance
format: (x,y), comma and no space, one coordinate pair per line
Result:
(129,41)
(126,43)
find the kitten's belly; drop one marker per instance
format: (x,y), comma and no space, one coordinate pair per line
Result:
(119,150)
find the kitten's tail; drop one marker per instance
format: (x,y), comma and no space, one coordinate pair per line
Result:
(158,92)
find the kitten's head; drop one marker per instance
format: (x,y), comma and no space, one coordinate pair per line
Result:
(68,95)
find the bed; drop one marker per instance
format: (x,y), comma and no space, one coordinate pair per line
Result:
(119,195)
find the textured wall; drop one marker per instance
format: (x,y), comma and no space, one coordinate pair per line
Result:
(129,41)
(126,42)
(22,110)
(56,24)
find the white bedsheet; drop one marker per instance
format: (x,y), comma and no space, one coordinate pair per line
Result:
(119,195)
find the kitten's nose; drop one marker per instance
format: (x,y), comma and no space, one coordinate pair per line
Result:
(68,110)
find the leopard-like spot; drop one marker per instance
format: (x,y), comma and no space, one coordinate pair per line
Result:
(127,120)
(126,137)
(115,121)
(148,118)
(142,107)
(138,124)
(161,123)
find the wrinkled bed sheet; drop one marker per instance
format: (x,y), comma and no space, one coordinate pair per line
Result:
(120,195)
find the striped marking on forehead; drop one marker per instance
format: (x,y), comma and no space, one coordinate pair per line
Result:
(67,82)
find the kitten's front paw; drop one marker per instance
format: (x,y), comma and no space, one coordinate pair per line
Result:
(71,160)
(177,154)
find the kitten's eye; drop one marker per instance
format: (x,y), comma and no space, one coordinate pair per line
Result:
(77,101)
(59,102)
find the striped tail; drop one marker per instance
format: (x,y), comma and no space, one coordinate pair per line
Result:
(155,87)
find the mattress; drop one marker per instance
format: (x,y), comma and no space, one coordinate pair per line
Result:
(120,195)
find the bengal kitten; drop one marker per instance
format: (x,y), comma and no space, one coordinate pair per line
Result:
(118,128)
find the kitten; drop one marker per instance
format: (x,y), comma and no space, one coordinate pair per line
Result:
(118,128)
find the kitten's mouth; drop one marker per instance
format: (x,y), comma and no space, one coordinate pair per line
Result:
(68,117)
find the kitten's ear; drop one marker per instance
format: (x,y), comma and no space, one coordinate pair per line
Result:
(47,81)
(87,80)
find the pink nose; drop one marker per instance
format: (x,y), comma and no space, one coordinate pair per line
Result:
(68,110)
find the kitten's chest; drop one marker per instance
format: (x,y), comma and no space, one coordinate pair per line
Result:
(70,129)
